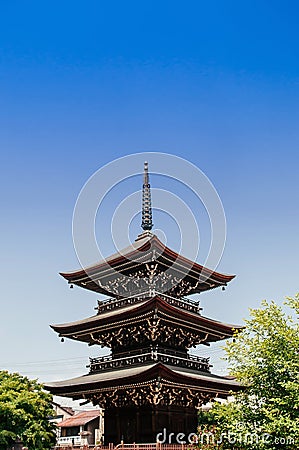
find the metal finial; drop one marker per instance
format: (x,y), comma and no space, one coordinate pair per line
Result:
(147,223)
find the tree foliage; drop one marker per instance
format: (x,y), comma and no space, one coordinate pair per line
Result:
(264,358)
(24,412)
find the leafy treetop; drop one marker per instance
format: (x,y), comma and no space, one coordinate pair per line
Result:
(25,409)
(264,358)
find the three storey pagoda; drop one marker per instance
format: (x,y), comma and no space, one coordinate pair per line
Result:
(149,381)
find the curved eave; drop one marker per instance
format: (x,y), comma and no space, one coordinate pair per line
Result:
(78,330)
(91,383)
(131,253)
(112,316)
(141,253)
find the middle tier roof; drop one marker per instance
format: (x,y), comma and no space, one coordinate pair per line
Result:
(157,312)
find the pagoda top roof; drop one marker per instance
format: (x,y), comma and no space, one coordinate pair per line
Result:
(147,252)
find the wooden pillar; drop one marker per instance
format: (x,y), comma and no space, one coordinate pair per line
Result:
(118,426)
(154,423)
(137,429)
(169,420)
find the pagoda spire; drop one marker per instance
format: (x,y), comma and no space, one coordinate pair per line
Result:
(147,223)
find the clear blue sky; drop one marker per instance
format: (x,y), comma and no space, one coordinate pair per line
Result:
(82,83)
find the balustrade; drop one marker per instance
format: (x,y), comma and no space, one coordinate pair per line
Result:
(112,303)
(142,356)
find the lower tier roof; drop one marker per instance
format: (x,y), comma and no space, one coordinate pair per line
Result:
(89,384)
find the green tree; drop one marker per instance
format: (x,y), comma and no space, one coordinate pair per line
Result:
(264,358)
(24,411)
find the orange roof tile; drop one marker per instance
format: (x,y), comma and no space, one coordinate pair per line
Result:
(80,419)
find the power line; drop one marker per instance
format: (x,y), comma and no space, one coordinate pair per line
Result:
(48,361)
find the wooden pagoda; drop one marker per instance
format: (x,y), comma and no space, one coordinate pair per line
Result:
(149,381)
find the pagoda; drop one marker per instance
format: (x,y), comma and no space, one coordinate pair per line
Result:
(149,381)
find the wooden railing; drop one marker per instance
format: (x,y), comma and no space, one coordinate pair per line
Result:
(134,446)
(148,354)
(152,446)
(112,303)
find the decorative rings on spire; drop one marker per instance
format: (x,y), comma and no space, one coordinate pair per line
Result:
(147,223)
